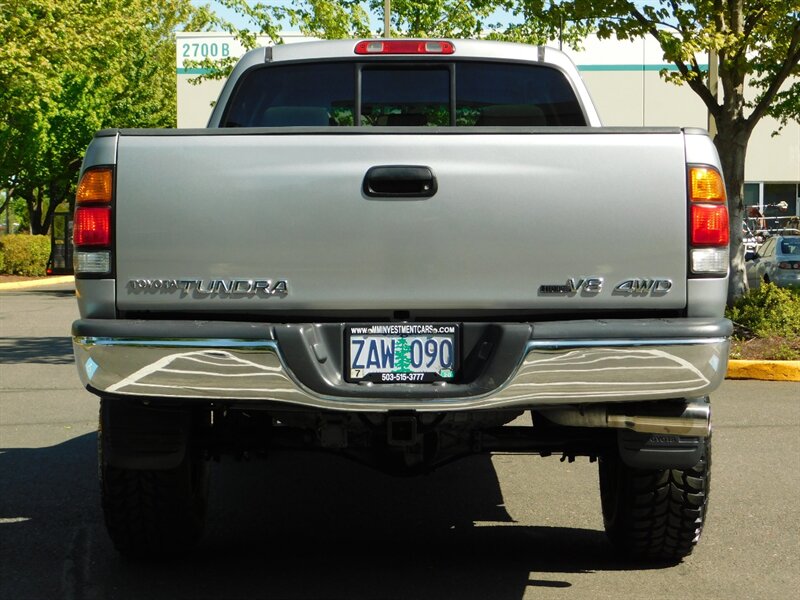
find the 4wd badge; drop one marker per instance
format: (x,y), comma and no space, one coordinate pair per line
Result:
(644,286)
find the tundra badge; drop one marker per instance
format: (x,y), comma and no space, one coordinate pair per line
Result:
(220,287)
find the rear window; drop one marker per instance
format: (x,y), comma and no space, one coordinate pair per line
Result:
(790,246)
(295,95)
(468,94)
(507,94)
(410,96)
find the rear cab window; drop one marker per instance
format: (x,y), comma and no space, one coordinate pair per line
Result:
(411,94)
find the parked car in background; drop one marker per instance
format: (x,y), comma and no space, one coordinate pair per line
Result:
(776,261)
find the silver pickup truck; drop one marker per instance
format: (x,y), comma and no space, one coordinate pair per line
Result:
(404,252)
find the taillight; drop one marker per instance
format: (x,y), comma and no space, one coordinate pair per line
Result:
(96,185)
(706,185)
(404,47)
(789,265)
(710,225)
(92,224)
(708,221)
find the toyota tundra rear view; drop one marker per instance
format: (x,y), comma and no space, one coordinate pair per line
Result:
(392,250)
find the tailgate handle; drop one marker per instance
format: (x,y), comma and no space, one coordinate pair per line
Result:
(399,181)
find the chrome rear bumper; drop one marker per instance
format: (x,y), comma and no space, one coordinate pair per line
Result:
(550,372)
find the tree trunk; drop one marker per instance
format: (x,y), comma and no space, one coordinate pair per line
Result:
(56,195)
(7,202)
(731,142)
(41,218)
(34,200)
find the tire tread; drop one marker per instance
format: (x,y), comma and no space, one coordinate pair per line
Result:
(655,514)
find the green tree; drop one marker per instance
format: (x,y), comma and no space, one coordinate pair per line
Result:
(69,68)
(757,43)
(440,18)
(35,35)
(338,19)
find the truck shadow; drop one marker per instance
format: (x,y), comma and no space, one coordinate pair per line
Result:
(57,290)
(40,350)
(289,526)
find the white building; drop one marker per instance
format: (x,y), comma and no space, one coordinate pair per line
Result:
(623,78)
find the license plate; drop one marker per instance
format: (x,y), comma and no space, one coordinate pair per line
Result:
(402,352)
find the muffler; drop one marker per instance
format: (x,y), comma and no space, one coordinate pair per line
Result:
(691,419)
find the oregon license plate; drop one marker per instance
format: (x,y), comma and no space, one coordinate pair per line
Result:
(401,352)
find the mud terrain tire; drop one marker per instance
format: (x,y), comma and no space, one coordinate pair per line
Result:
(154,512)
(654,514)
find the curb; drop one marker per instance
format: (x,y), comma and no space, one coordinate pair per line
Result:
(765,370)
(33,283)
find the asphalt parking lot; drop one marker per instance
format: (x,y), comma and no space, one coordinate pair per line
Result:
(314,526)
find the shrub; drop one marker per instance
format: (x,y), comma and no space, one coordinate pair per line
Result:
(25,254)
(768,310)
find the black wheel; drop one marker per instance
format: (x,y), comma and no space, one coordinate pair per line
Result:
(654,514)
(153,512)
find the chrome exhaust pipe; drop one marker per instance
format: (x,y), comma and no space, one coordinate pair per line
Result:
(692,419)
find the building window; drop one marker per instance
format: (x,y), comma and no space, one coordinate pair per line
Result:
(777,193)
(772,205)
(780,205)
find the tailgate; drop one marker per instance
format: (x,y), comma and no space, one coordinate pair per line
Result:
(519,221)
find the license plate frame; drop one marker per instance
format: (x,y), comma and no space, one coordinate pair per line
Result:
(365,343)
